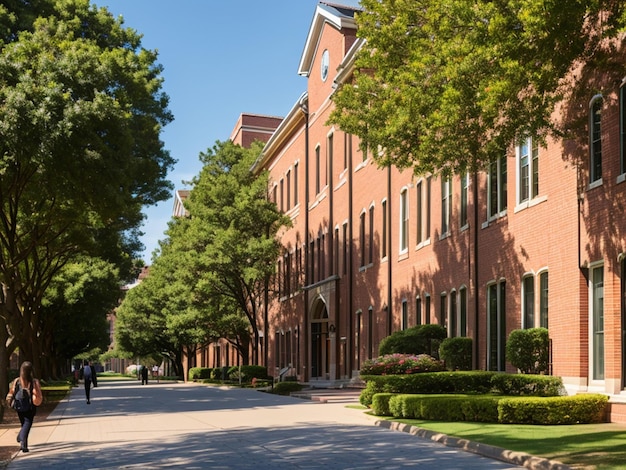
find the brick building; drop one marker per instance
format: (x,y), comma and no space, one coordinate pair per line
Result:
(537,240)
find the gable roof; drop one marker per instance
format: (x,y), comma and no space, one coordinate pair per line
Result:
(339,16)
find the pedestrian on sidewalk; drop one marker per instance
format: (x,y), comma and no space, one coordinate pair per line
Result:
(87,377)
(25,396)
(144,375)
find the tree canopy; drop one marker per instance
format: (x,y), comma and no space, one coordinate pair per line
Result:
(209,278)
(445,86)
(81,111)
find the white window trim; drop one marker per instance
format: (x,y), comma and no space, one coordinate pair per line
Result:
(594,385)
(404,191)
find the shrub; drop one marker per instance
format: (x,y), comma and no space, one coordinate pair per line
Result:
(199,373)
(442,407)
(578,409)
(401,364)
(426,383)
(380,404)
(285,388)
(528,384)
(248,372)
(456,353)
(528,350)
(421,339)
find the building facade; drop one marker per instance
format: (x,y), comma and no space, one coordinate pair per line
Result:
(539,239)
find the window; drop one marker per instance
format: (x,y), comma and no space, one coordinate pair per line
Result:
(597,323)
(496,326)
(362,238)
(622,127)
(347,149)
(420,213)
(464,200)
(317,169)
(595,139)
(405,315)
(497,184)
(289,190)
(295,184)
(336,252)
(443,310)
(446,205)
(427,209)
(275,194)
(384,230)
(427,308)
(543,299)
(282,195)
(528,302)
(370,332)
(463,311)
(329,157)
(404,221)
(345,248)
(418,310)
(453,315)
(527,170)
(370,247)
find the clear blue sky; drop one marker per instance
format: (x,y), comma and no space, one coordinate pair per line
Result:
(221,58)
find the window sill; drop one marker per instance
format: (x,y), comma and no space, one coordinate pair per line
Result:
(621,178)
(595,184)
(422,244)
(530,203)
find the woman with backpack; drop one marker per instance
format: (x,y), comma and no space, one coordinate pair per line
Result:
(25,396)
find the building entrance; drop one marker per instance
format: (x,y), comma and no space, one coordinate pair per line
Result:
(320,344)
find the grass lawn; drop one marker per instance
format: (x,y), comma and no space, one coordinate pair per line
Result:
(588,446)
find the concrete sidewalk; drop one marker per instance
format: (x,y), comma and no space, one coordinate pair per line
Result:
(197,426)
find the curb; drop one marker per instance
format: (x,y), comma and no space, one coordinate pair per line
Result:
(517,458)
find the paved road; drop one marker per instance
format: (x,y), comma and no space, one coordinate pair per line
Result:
(189,426)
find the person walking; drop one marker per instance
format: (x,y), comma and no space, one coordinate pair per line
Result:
(87,377)
(144,375)
(25,396)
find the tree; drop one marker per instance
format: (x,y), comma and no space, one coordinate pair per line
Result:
(75,308)
(81,110)
(235,228)
(445,86)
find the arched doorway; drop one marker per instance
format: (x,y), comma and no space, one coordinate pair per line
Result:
(320,344)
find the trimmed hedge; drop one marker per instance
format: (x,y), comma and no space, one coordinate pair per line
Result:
(577,409)
(528,385)
(285,388)
(248,373)
(589,408)
(199,373)
(456,353)
(461,382)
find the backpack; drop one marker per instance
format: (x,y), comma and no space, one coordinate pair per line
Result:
(22,401)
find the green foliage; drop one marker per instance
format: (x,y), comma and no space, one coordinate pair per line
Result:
(401,364)
(528,350)
(421,339)
(380,404)
(471,382)
(430,382)
(456,353)
(76,304)
(286,388)
(80,154)
(447,85)
(247,372)
(527,384)
(578,409)
(199,373)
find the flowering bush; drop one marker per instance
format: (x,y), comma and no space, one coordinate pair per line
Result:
(393,364)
